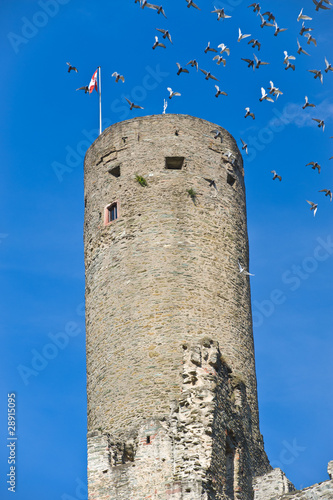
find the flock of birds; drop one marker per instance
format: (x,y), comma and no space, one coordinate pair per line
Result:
(267,19)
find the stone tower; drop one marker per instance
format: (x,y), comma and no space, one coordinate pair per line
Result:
(172,399)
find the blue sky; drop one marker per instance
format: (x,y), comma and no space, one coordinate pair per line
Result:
(46,127)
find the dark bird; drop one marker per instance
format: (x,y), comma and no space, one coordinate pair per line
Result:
(71,68)
(264,22)
(314,206)
(256,7)
(276,176)
(181,70)
(250,63)
(319,5)
(159,10)
(317,73)
(315,166)
(248,113)
(166,34)
(270,17)
(208,75)
(191,3)
(304,29)
(132,105)
(254,43)
(193,63)
(327,192)
(85,88)
(321,123)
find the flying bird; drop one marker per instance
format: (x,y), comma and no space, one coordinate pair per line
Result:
(319,5)
(317,73)
(191,3)
(132,105)
(220,13)
(278,30)
(118,77)
(303,17)
(308,104)
(159,9)
(248,113)
(242,270)
(209,49)
(327,192)
(276,176)
(264,96)
(166,34)
(254,43)
(211,182)
(208,75)
(310,39)
(217,134)
(328,66)
(264,22)
(250,63)
(270,17)
(71,68)
(193,63)
(304,29)
(241,36)
(158,44)
(320,122)
(300,50)
(220,60)
(172,93)
(223,48)
(219,92)
(314,206)
(274,90)
(314,166)
(258,62)
(85,88)
(181,70)
(287,60)
(256,7)
(244,146)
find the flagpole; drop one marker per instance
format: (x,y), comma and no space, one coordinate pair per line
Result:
(100,100)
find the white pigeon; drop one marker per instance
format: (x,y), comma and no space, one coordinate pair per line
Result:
(220,13)
(303,17)
(300,50)
(242,270)
(328,66)
(274,90)
(241,36)
(308,104)
(264,96)
(172,93)
(223,48)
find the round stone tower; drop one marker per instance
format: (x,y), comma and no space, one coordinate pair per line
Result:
(168,314)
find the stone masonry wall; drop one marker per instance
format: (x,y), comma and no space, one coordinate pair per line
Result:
(199,452)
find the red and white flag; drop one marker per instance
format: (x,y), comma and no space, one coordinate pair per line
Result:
(93,82)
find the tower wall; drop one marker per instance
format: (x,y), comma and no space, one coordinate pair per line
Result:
(164,273)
